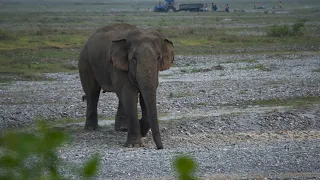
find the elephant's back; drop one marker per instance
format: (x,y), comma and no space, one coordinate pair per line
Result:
(116,31)
(117,27)
(111,32)
(97,48)
(99,43)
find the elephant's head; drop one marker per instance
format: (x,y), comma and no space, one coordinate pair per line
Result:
(143,53)
(143,50)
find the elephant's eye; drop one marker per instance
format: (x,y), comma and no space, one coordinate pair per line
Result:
(159,58)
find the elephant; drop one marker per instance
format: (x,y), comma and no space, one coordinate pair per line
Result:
(126,60)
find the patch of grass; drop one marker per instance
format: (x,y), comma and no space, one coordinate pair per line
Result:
(260,67)
(242,61)
(218,67)
(179,94)
(316,70)
(284,30)
(30,64)
(193,42)
(221,43)
(245,91)
(48,41)
(274,82)
(278,31)
(166,75)
(202,104)
(295,102)
(108,118)
(4,82)
(9,77)
(7,35)
(67,121)
(227,38)
(197,70)
(68,26)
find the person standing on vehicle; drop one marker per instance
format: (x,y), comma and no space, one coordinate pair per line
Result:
(227,8)
(214,7)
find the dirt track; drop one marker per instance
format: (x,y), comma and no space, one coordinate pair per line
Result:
(205,112)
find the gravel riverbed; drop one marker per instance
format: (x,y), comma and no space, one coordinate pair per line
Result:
(210,107)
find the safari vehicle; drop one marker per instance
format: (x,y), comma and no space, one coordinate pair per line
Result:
(192,7)
(165,7)
(171,6)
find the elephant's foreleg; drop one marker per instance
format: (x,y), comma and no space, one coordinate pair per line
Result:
(144,121)
(92,91)
(120,124)
(129,101)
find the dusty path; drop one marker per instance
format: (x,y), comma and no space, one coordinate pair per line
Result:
(204,111)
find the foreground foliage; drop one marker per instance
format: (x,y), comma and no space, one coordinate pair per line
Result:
(34,156)
(185,167)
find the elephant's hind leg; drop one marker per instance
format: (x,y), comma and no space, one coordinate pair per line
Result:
(92,91)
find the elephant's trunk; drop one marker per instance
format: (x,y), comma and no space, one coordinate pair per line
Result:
(151,106)
(147,78)
(148,90)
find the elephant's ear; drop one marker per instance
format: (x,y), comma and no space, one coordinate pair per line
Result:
(119,54)
(167,55)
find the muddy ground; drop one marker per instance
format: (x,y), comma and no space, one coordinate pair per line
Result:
(213,108)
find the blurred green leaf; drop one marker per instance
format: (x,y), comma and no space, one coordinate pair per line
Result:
(8,161)
(91,167)
(53,139)
(6,177)
(185,166)
(21,143)
(33,155)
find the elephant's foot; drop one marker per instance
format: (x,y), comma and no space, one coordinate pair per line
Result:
(120,124)
(144,127)
(122,129)
(134,141)
(89,127)
(133,145)
(160,147)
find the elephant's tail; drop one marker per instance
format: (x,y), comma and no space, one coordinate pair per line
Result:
(84,98)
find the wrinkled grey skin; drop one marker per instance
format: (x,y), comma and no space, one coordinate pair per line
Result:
(126,60)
